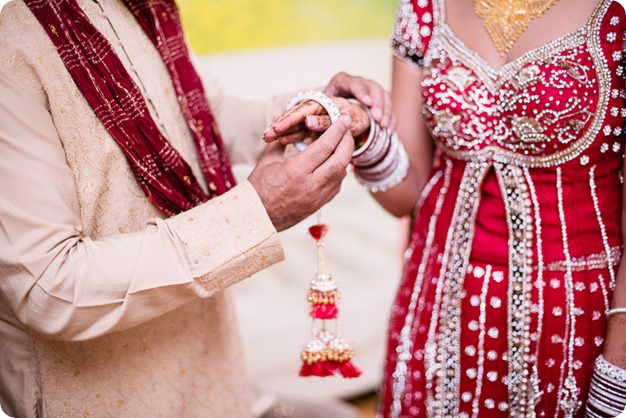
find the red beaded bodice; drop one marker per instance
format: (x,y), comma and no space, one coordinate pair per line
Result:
(529,186)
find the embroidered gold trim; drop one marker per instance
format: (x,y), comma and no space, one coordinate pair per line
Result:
(588,262)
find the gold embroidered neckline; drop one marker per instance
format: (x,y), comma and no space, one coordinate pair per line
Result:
(506,20)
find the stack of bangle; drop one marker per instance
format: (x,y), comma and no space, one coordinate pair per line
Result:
(607,392)
(381,162)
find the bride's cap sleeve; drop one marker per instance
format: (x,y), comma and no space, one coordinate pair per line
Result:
(413,30)
(613,30)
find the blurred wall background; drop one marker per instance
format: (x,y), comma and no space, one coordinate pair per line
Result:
(227,25)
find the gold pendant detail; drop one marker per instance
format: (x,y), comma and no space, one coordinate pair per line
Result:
(506,20)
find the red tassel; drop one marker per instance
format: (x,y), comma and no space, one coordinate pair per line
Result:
(325,354)
(309,369)
(318,231)
(318,368)
(324,311)
(348,370)
(329,368)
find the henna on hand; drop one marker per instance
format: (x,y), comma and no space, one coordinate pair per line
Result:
(293,188)
(291,121)
(309,119)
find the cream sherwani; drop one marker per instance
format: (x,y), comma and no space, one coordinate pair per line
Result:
(106,307)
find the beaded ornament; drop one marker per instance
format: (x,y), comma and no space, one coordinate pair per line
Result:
(326,353)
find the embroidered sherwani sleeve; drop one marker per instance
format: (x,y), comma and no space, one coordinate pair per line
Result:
(62,284)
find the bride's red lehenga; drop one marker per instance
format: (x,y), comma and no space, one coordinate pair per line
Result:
(516,243)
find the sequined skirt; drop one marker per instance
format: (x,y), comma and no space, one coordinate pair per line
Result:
(473,338)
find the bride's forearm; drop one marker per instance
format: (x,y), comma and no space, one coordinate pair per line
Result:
(400,201)
(608,382)
(615,341)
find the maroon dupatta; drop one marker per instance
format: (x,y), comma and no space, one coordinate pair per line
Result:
(98,72)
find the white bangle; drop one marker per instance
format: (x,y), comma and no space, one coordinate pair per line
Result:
(319,97)
(377,150)
(387,173)
(370,137)
(607,390)
(614,311)
(610,370)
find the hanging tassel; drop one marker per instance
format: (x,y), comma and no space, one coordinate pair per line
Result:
(324,311)
(318,232)
(323,296)
(342,355)
(318,368)
(326,353)
(315,356)
(324,356)
(348,370)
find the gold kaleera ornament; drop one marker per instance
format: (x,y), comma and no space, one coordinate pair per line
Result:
(326,353)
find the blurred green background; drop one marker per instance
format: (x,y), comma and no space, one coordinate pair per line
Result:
(227,25)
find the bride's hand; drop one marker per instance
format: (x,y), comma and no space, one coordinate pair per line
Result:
(309,119)
(366,91)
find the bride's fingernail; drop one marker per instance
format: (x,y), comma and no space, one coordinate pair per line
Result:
(311,122)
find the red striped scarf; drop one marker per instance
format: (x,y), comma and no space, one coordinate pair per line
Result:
(165,177)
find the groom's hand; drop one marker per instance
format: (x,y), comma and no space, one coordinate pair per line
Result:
(293,188)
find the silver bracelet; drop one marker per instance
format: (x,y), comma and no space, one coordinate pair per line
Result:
(607,391)
(610,370)
(615,311)
(319,97)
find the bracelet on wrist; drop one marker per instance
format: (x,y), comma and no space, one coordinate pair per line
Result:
(362,143)
(615,311)
(607,391)
(319,97)
(389,171)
